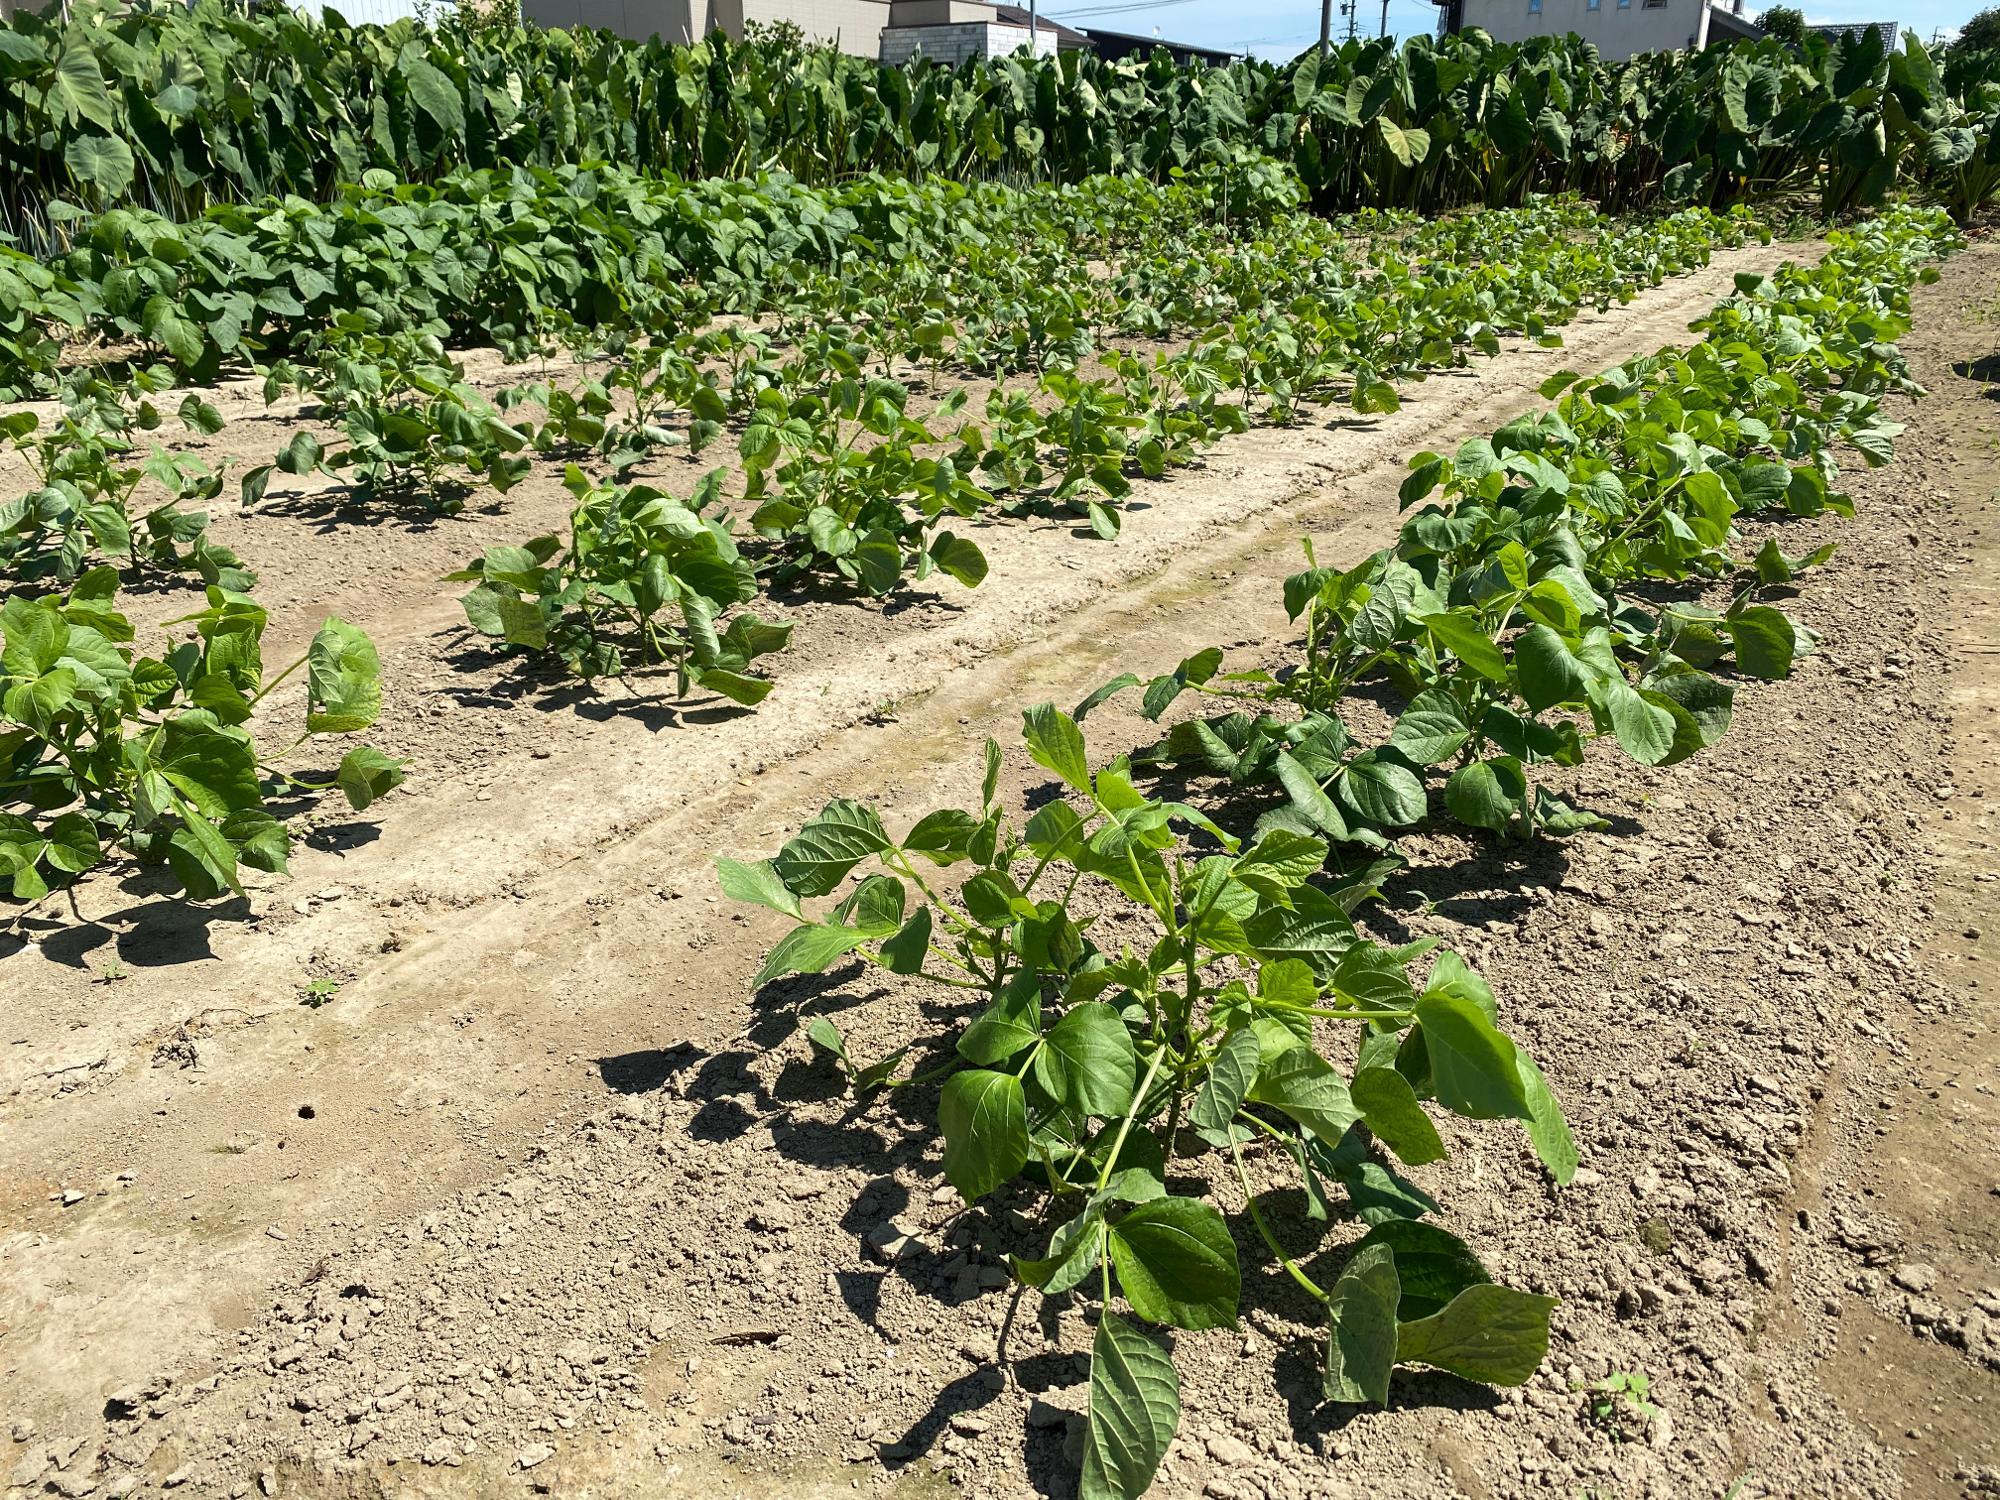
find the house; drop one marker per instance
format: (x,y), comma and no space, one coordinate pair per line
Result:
(889,31)
(953,31)
(1619,28)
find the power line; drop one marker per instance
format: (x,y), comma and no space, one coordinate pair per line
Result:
(1112,10)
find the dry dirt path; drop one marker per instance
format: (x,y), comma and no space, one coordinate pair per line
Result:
(534,930)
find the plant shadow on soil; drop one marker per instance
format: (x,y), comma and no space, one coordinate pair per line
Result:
(162,928)
(513,679)
(1985,371)
(341,506)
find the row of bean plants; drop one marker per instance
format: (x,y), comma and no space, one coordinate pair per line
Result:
(1244,1018)
(1279,311)
(842,480)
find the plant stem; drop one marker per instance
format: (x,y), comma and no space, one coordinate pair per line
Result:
(1257,1218)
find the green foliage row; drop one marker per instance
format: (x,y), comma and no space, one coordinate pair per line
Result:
(843,481)
(177,108)
(516,257)
(1153,1001)
(1519,615)
(105,749)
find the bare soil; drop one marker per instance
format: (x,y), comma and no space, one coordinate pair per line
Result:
(542,1199)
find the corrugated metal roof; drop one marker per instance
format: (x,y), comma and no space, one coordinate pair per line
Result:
(1891,32)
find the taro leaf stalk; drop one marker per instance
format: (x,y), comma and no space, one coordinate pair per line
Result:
(1242,1018)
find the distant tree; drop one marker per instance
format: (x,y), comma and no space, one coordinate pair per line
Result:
(1981,32)
(1784,23)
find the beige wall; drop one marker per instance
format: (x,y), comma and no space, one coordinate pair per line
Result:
(1618,33)
(670,20)
(856,24)
(932,12)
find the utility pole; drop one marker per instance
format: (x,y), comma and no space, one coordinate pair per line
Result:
(1385,18)
(1034,28)
(1351,9)
(1325,26)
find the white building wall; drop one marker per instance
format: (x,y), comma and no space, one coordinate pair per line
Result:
(856,25)
(1620,28)
(956,43)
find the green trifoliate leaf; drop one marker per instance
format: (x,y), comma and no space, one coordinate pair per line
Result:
(1487,1333)
(757,883)
(1305,1086)
(366,774)
(343,680)
(1389,1107)
(1177,1264)
(1307,796)
(72,844)
(1227,1085)
(808,949)
(1766,641)
(1432,1264)
(959,557)
(1487,794)
(1057,745)
(1431,729)
(1008,1026)
(984,1117)
(1361,1328)
(1473,1067)
(1546,1126)
(820,856)
(1315,930)
(1135,1406)
(1381,791)
(992,778)
(1088,1062)
(1074,1251)
(1547,670)
(1645,730)
(1460,633)
(826,1036)
(904,951)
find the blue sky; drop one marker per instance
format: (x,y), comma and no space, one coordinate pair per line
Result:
(1270,28)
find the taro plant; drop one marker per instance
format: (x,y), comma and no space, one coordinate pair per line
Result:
(642,581)
(104,748)
(1241,1020)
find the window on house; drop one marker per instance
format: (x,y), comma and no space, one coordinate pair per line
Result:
(1624,4)
(1594,4)
(1656,4)
(1534,7)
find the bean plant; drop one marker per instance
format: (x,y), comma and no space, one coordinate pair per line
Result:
(641,581)
(104,749)
(1241,1017)
(1518,616)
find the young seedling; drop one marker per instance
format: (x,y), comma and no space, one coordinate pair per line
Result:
(1617,1400)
